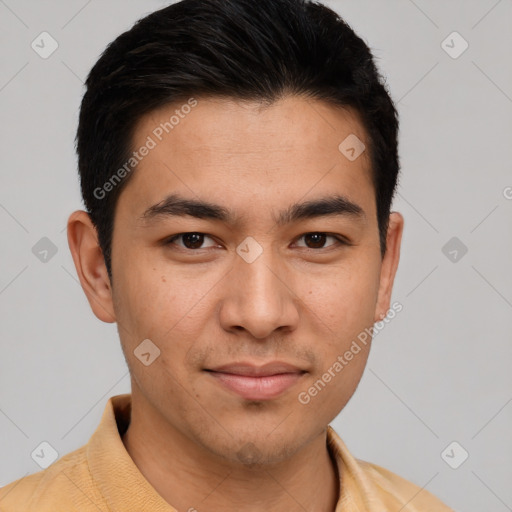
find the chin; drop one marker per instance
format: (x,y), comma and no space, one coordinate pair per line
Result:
(258,446)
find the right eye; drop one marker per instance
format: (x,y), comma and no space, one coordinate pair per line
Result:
(191,241)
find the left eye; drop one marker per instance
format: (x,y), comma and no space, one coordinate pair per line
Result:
(318,240)
(191,240)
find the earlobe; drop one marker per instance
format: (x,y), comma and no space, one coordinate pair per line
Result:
(389,264)
(90,265)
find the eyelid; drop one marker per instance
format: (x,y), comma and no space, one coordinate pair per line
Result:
(340,240)
(171,240)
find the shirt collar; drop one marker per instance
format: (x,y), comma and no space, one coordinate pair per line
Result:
(113,470)
(117,476)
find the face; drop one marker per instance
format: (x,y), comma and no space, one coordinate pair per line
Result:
(246,248)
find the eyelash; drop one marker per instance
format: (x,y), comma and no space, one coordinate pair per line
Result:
(340,241)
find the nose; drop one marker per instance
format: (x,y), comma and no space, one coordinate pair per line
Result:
(259,298)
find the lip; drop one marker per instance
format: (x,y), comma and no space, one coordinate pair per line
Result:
(257,382)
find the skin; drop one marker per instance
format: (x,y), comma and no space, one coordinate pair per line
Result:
(298,302)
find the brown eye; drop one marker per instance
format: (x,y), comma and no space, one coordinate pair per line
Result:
(191,241)
(318,240)
(315,240)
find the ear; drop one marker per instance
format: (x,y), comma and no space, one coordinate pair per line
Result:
(389,264)
(90,265)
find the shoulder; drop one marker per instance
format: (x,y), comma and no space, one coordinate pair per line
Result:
(376,487)
(66,483)
(394,489)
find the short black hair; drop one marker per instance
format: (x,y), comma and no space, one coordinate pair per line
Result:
(240,49)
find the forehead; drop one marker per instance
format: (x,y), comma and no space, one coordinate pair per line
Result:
(235,151)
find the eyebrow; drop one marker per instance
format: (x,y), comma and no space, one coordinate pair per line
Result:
(175,205)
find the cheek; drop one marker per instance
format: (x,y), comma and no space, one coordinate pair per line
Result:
(342,309)
(155,302)
(145,293)
(151,305)
(345,299)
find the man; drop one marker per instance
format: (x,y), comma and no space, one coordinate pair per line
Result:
(238,161)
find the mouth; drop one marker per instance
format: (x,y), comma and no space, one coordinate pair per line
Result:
(253,382)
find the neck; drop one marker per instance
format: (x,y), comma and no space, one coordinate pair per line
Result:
(190,478)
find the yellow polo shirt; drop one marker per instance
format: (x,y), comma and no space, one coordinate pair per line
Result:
(101,477)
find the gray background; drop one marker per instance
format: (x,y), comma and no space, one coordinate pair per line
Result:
(438,373)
